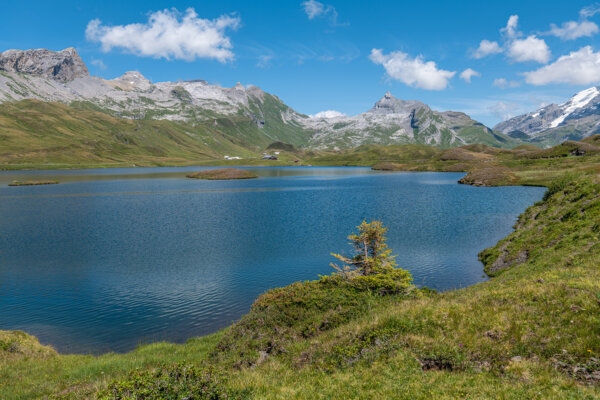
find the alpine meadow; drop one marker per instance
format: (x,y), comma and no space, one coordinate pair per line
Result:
(299,200)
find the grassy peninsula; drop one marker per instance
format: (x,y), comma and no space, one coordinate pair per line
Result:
(222,174)
(531,331)
(32,183)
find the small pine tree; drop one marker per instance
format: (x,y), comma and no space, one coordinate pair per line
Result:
(372,253)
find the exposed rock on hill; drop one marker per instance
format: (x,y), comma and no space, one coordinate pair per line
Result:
(64,65)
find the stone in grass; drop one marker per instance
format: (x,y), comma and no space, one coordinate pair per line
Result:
(222,174)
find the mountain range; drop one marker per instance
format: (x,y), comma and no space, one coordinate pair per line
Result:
(240,119)
(575,119)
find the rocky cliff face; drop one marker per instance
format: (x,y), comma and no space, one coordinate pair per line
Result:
(64,65)
(575,119)
(396,121)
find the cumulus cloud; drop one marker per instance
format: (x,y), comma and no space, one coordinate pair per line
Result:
(572,30)
(315,9)
(517,49)
(468,73)
(412,71)
(169,34)
(580,67)
(510,30)
(529,49)
(328,114)
(487,48)
(504,83)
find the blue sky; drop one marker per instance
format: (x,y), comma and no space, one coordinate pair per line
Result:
(334,55)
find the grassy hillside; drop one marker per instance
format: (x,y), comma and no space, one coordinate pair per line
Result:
(532,331)
(35,134)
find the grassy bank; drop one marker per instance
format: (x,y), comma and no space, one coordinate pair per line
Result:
(532,331)
(222,174)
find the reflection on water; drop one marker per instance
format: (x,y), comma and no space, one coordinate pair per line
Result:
(109,259)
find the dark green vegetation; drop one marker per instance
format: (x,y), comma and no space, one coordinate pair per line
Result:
(532,331)
(172,382)
(32,183)
(222,174)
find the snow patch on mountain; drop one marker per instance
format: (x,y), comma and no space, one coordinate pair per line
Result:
(328,114)
(580,100)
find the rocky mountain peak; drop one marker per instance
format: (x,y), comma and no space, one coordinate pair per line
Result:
(239,86)
(131,80)
(574,119)
(389,104)
(64,65)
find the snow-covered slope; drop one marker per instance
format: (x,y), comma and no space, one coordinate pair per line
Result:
(577,118)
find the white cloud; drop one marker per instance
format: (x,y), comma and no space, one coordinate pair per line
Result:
(511,27)
(412,71)
(504,110)
(315,9)
(572,30)
(589,11)
(328,114)
(264,61)
(168,34)
(98,63)
(580,67)
(529,49)
(469,73)
(487,48)
(503,83)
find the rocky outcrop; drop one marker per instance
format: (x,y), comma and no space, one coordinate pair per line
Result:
(64,65)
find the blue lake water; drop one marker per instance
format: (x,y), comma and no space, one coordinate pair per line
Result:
(113,258)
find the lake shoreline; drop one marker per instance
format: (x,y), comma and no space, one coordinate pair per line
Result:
(49,345)
(466,338)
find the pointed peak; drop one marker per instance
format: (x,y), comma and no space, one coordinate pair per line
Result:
(388,95)
(132,75)
(239,86)
(131,80)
